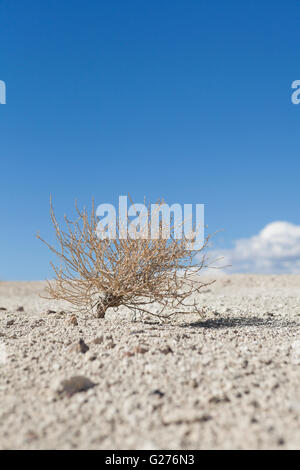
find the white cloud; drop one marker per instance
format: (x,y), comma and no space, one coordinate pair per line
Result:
(274,250)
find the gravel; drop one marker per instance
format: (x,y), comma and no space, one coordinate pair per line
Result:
(230,380)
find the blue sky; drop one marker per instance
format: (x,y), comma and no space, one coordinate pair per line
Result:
(189,100)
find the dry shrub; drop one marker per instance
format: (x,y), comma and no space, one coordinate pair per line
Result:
(101,273)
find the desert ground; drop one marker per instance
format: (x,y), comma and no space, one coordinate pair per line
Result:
(229,380)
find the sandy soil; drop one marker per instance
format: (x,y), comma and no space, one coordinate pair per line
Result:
(227,381)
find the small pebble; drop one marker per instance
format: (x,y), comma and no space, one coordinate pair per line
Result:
(98,340)
(75,384)
(73,320)
(79,347)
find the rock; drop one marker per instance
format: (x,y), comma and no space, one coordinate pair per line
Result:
(91,357)
(136,350)
(98,340)
(50,311)
(255,404)
(204,418)
(216,399)
(3,309)
(20,309)
(10,323)
(79,347)
(73,320)
(193,383)
(75,384)
(166,350)
(83,347)
(128,354)
(140,350)
(158,393)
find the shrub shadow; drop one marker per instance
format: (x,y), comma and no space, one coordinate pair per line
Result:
(237,322)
